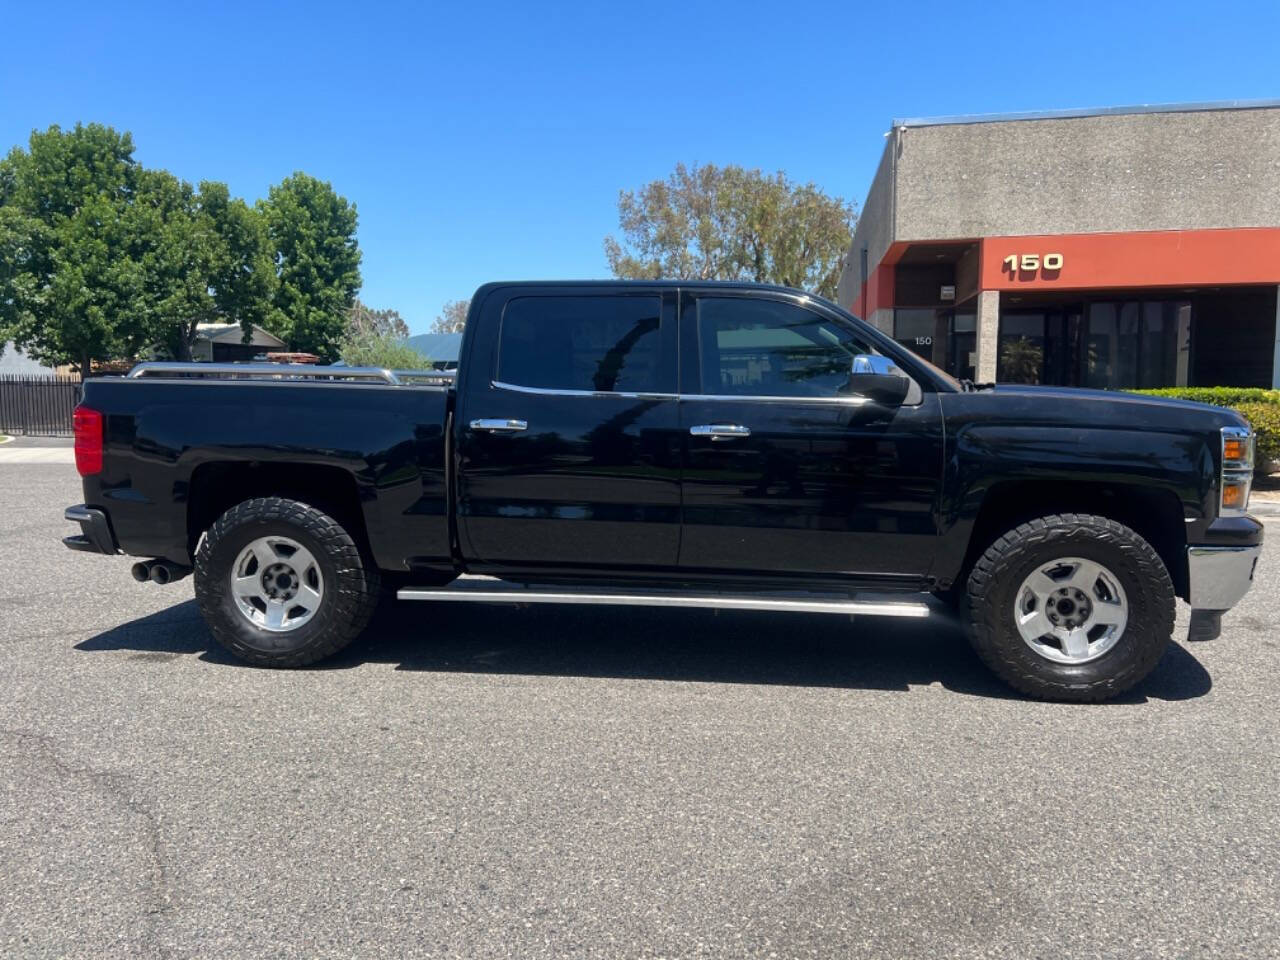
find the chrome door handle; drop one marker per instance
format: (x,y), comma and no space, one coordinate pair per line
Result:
(499,425)
(720,431)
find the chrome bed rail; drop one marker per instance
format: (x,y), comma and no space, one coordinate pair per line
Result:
(292,371)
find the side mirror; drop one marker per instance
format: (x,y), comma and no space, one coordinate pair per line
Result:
(878,379)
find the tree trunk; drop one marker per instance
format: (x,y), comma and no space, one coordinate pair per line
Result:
(85,361)
(185,337)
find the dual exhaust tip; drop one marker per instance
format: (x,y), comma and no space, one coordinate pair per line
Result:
(158,571)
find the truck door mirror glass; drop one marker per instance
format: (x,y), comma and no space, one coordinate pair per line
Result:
(878,379)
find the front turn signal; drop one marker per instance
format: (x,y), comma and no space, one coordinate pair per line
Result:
(1235,494)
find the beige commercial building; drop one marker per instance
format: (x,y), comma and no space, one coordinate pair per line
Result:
(1124,247)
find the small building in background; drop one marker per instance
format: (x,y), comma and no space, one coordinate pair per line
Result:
(1115,248)
(224,343)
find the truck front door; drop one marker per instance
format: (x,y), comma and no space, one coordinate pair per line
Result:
(789,470)
(568,452)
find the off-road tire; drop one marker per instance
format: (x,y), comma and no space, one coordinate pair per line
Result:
(990,596)
(351,583)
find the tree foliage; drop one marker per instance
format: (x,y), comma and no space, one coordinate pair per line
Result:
(729,223)
(452,318)
(72,277)
(312,231)
(210,261)
(102,259)
(363,319)
(368,348)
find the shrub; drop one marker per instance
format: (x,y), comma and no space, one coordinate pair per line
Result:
(1265,420)
(374,350)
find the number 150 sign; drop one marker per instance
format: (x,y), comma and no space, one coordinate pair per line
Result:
(1031,262)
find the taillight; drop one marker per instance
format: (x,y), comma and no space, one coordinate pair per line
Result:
(88,429)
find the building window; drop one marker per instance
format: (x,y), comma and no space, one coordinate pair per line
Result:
(1106,344)
(962,346)
(946,338)
(1138,344)
(915,328)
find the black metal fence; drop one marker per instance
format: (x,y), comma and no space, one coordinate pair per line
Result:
(38,406)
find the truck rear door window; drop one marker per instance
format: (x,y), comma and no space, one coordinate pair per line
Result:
(594,344)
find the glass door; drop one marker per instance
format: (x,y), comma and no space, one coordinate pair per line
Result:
(1039,346)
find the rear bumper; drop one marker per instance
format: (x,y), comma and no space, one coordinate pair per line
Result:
(1220,576)
(95,531)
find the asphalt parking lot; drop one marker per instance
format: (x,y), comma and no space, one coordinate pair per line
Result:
(551,782)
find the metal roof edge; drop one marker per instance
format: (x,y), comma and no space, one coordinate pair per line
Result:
(1070,113)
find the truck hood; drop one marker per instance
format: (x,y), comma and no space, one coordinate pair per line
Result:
(1111,405)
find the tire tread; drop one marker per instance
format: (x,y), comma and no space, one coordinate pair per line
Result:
(355,595)
(996,641)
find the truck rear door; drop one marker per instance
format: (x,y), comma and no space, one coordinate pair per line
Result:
(568,446)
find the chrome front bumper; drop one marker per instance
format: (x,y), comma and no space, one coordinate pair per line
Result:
(1220,576)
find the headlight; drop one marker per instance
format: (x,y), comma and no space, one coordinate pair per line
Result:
(1237,470)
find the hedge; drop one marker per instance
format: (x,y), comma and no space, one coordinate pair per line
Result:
(1265,418)
(1260,407)
(1217,396)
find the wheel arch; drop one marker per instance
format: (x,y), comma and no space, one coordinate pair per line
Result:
(215,487)
(1154,513)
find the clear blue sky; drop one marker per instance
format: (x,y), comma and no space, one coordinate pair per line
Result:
(489,140)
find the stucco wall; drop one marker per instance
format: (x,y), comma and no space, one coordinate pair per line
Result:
(1145,171)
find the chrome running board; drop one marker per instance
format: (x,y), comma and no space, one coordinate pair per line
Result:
(473,589)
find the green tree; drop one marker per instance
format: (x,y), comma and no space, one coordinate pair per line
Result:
(364,319)
(729,223)
(452,318)
(209,261)
(72,278)
(312,233)
(368,348)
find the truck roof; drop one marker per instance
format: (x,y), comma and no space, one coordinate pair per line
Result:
(699,284)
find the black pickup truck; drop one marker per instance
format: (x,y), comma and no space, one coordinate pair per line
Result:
(675,444)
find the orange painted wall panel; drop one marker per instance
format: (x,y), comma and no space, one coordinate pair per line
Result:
(1167,258)
(877,293)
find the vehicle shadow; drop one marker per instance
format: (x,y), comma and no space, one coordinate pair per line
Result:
(641,643)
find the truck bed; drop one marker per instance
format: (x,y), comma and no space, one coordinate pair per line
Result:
(171,440)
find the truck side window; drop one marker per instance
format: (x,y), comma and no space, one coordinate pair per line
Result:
(768,348)
(601,344)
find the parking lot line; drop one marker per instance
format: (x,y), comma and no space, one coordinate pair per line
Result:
(10,454)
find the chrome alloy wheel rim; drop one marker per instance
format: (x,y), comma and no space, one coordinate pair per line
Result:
(1071,610)
(276,584)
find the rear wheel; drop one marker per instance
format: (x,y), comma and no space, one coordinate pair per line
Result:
(1070,607)
(282,584)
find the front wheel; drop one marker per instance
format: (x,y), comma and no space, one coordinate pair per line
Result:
(281,584)
(1070,607)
